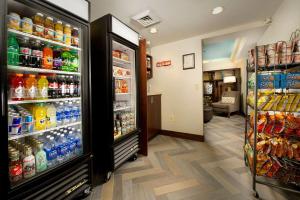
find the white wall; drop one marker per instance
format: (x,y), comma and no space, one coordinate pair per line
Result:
(285,21)
(182,95)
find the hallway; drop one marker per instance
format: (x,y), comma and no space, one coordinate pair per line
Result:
(177,169)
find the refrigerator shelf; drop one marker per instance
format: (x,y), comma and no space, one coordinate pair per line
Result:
(39,70)
(42,131)
(43,100)
(121,61)
(123,93)
(123,108)
(42,39)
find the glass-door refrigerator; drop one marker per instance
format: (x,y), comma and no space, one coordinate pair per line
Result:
(45,151)
(115,106)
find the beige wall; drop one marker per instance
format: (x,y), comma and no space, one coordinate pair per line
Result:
(285,21)
(182,100)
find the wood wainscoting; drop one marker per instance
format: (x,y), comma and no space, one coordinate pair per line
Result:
(181,135)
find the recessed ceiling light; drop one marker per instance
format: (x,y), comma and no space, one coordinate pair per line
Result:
(153,30)
(217,10)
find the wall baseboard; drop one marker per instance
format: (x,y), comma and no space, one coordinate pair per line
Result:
(181,135)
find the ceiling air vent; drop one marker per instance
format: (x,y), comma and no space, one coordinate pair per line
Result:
(146,18)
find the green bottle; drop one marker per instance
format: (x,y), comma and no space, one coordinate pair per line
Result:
(74,61)
(12,50)
(66,61)
(40,158)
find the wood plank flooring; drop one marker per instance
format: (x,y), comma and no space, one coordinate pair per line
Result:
(178,169)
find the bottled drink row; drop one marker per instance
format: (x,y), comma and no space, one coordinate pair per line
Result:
(33,53)
(124,122)
(45,27)
(36,117)
(42,87)
(33,155)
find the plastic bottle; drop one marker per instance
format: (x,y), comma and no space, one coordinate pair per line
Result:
(25,52)
(72,143)
(57,60)
(17,88)
(67,86)
(28,163)
(12,50)
(52,87)
(49,28)
(31,87)
(51,152)
(48,57)
(40,158)
(59,114)
(67,113)
(38,28)
(43,87)
(66,60)
(75,37)
(59,35)
(40,117)
(76,112)
(51,116)
(67,34)
(63,149)
(74,62)
(78,139)
(36,59)
(62,85)
(71,85)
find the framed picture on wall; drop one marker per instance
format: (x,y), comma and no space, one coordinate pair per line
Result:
(188,61)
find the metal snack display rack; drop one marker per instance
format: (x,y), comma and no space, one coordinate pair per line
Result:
(290,168)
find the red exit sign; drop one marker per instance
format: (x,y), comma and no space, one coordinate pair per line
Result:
(165,63)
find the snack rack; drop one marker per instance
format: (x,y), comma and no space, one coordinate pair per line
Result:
(280,172)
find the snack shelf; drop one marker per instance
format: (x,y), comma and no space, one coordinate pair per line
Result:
(42,39)
(39,70)
(123,108)
(274,67)
(42,131)
(121,61)
(43,100)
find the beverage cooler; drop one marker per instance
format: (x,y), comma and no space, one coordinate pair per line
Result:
(45,150)
(115,106)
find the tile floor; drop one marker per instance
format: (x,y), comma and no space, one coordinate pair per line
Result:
(178,169)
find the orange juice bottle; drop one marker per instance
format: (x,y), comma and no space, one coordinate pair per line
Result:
(31,87)
(48,57)
(40,115)
(43,87)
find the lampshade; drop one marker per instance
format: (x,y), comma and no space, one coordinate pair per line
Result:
(229,79)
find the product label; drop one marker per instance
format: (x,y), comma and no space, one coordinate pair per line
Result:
(51,154)
(49,32)
(72,146)
(32,92)
(29,166)
(39,29)
(59,36)
(19,92)
(71,88)
(53,85)
(57,62)
(48,60)
(41,161)
(63,89)
(67,39)
(59,117)
(15,170)
(25,50)
(67,114)
(37,53)
(63,150)
(44,92)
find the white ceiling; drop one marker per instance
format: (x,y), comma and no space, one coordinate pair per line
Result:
(186,18)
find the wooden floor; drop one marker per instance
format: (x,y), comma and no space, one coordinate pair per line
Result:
(178,169)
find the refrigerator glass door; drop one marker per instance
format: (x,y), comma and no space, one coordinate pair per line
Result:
(44,61)
(124,82)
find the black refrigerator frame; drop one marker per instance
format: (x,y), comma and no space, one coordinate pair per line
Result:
(102,84)
(74,177)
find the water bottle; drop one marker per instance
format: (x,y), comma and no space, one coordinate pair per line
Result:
(63,149)
(76,112)
(67,114)
(51,152)
(72,143)
(59,114)
(78,139)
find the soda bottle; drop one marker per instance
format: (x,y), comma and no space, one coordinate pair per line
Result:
(67,86)
(17,88)
(57,61)
(66,60)
(31,87)
(43,87)
(36,60)
(25,52)
(76,87)
(40,115)
(12,50)
(52,87)
(71,86)
(51,116)
(62,86)
(48,57)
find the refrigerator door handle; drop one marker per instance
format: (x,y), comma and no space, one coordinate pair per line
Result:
(113,89)
(2,104)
